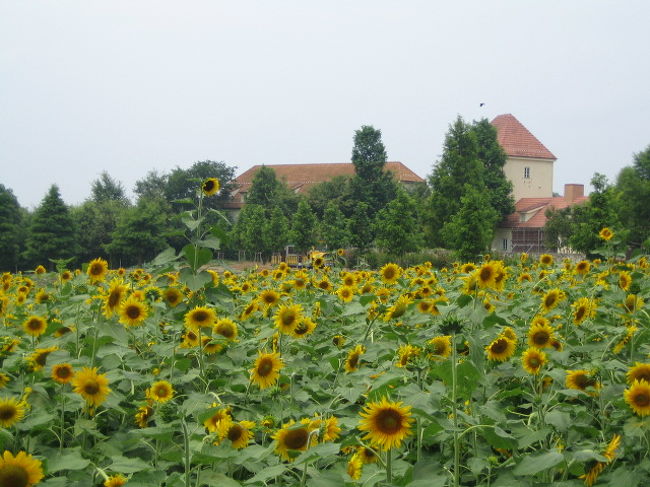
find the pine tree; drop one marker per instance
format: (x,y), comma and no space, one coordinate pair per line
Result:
(361,226)
(247,231)
(10,221)
(52,231)
(275,234)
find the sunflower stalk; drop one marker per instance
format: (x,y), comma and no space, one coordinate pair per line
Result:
(186,444)
(454,412)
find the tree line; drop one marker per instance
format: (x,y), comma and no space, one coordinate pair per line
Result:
(457,208)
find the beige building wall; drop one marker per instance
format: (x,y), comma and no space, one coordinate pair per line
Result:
(502,241)
(531,178)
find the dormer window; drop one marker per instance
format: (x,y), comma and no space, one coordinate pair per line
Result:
(526,173)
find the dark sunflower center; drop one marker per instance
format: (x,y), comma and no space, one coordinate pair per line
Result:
(301,329)
(324,285)
(34,325)
(172,298)
(642,399)
(114,298)
(13,476)
(389,274)
(541,338)
(200,316)
(96,270)
(549,300)
(583,381)
(208,186)
(63,373)
(642,375)
(265,367)
(349,281)
(534,362)
(288,318)
(388,421)
(439,348)
(353,361)
(296,439)
(580,312)
(485,274)
(500,346)
(7,412)
(191,335)
(235,432)
(161,391)
(42,359)
(226,331)
(133,312)
(91,388)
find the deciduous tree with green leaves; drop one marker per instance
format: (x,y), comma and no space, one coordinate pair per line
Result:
(397,227)
(334,228)
(303,227)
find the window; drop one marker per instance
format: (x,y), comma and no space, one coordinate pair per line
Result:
(504,244)
(526,173)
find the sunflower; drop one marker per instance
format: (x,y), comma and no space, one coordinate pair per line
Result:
(115,481)
(331,429)
(352,361)
(304,328)
(317,260)
(638,397)
(227,328)
(11,411)
(172,296)
(485,276)
(21,470)
(288,317)
(546,259)
(596,468)
(238,433)
(633,303)
(390,273)
(367,455)
(540,335)
(90,385)
(583,267)
(219,417)
(248,310)
(4,379)
(439,347)
(40,270)
(293,437)
(210,186)
(406,353)
(639,372)
(624,281)
(501,349)
(210,347)
(66,276)
(143,416)
(133,312)
(583,309)
(533,360)
(42,296)
(524,276)
(509,333)
(62,373)
(606,234)
(324,284)
(551,299)
(190,339)
(269,298)
(266,370)
(386,424)
(97,270)
(398,309)
(35,325)
(345,293)
(116,293)
(161,391)
(355,467)
(200,317)
(338,340)
(38,359)
(580,380)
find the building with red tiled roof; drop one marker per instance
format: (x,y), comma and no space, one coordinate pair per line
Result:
(530,163)
(302,177)
(529,166)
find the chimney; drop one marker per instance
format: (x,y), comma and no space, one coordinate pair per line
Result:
(573,191)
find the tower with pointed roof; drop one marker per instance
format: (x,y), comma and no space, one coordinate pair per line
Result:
(530,164)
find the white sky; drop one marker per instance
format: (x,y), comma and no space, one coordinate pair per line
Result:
(130,86)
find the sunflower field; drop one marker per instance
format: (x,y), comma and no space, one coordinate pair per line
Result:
(520,373)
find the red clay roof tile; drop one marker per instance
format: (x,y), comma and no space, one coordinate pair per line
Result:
(517,141)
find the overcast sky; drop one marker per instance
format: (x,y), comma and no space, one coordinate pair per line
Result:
(131,86)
